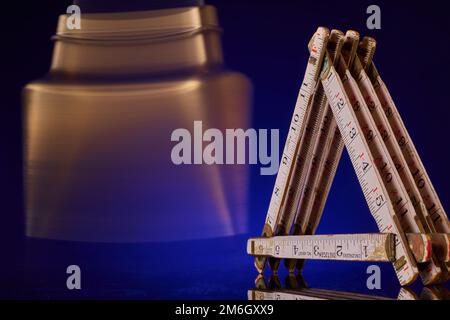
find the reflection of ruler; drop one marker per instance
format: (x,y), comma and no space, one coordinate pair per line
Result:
(399,193)
(295,288)
(307,294)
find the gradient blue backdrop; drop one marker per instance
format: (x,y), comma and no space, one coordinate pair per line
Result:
(267,41)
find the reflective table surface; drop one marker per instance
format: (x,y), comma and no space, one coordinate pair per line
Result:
(199,269)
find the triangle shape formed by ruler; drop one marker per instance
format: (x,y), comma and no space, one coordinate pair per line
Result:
(344,103)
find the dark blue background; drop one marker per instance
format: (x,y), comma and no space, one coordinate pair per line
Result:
(267,41)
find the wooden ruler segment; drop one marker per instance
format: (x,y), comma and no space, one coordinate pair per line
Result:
(351,247)
(305,152)
(296,130)
(420,245)
(362,116)
(437,218)
(333,151)
(327,153)
(430,198)
(363,162)
(390,161)
(435,293)
(441,246)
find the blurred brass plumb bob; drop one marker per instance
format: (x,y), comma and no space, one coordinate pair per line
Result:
(98,126)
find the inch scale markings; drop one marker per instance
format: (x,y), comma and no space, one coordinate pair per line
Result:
(426,189)
(433,217)
(365,105)
(292,143)
(327,152)
(396,187)
(369,178)
(297,187)
(348,247)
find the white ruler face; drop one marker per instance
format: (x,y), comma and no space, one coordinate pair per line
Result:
(318,161)
(297,128)
(325,174)
(395,184)
(355,247)
(295,205)
(384,151)
(303,159)
(327,152)
(386,132)
(303,192)
(369,178)
(317,140)
(297,123)
(437,215)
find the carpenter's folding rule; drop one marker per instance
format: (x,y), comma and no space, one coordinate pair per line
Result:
(343,101)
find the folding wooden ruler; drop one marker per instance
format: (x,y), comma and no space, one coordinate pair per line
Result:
(343,101)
